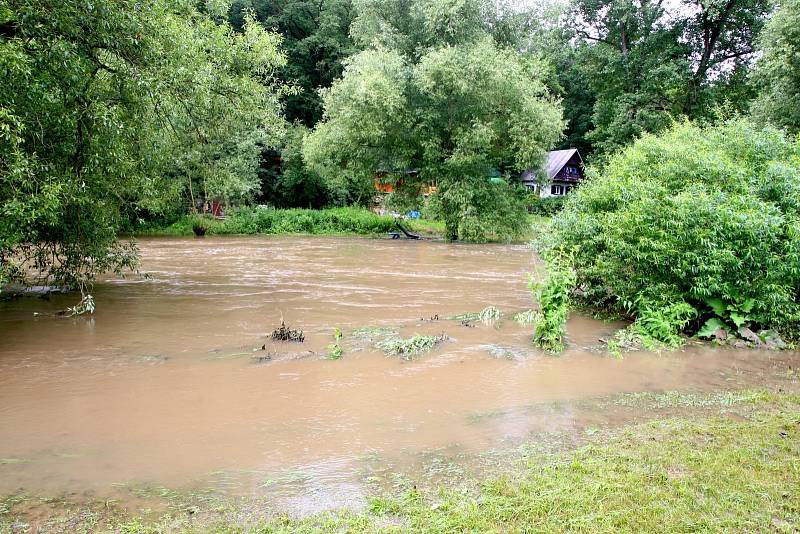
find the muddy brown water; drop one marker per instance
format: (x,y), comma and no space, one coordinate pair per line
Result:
(166,383)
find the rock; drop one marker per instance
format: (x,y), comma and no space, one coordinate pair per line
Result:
(772,340)
(750,336)
(721,334)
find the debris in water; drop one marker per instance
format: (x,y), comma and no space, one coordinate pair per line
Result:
(287,334)
(262,358)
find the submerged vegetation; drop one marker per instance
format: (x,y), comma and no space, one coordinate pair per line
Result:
(408,348)
(553,297)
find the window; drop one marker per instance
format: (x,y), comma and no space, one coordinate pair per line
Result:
(557,190)
(533,187)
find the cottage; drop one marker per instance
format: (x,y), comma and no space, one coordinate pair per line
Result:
(564,169)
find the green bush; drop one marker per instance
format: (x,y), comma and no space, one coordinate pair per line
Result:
(545,207)
(553,296)
(261,220)
(708,218)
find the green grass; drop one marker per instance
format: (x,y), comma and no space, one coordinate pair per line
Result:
(334,221)
(715,474)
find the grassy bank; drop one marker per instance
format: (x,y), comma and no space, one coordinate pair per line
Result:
(332,221)
(248,221)
(736,468)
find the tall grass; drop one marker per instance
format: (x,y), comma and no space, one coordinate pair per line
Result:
(259,220)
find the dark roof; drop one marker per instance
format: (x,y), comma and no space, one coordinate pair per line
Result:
(557,159)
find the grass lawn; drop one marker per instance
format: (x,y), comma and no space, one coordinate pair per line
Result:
(730,469)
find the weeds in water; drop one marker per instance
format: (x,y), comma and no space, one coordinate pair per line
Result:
(335,349)
(471,316)
(86,305)
(488,314)
(655,329)
(372,333)
(526,317)
(410,347)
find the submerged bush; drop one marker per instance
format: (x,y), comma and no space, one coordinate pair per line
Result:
(705,219)
(407,348)
(553,296)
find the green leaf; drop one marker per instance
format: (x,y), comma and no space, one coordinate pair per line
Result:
(738,319)
(710,328)
(747,306)
(717,305)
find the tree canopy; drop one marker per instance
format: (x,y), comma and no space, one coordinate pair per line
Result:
(108,106)
(778,73)
(443,105)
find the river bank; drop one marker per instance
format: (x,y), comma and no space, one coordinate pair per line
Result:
(350,221)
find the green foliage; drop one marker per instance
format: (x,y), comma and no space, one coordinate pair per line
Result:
(316,40)
(443,99)
(297,186)
(778,70)
(628,67)
(729,316)
(109,105)
(335,350)
(407,348)
(696,218)
(553,297)
(262,220)
(544,206)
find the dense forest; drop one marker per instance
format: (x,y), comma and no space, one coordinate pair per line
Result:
(118,113)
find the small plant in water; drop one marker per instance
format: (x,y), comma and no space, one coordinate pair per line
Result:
(525,317)
(410,347)
(334,349)
(489,313)
(86,305)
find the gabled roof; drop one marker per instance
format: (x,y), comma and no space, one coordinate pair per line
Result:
(557,159)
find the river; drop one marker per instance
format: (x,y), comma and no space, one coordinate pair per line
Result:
(167,382)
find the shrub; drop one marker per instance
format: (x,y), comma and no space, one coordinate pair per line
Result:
(546,207)
(706,219)
(553,297)
(261,220)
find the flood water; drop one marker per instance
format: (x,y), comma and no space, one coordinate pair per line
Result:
(167,383)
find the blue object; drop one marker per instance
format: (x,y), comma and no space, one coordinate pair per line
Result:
(413,214)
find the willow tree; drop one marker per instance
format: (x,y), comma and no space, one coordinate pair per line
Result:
(107,104)
(444,106)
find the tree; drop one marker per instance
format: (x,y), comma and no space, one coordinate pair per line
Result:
(778,72)
(111,103)
(449,110)
(650,62)
(316,40)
